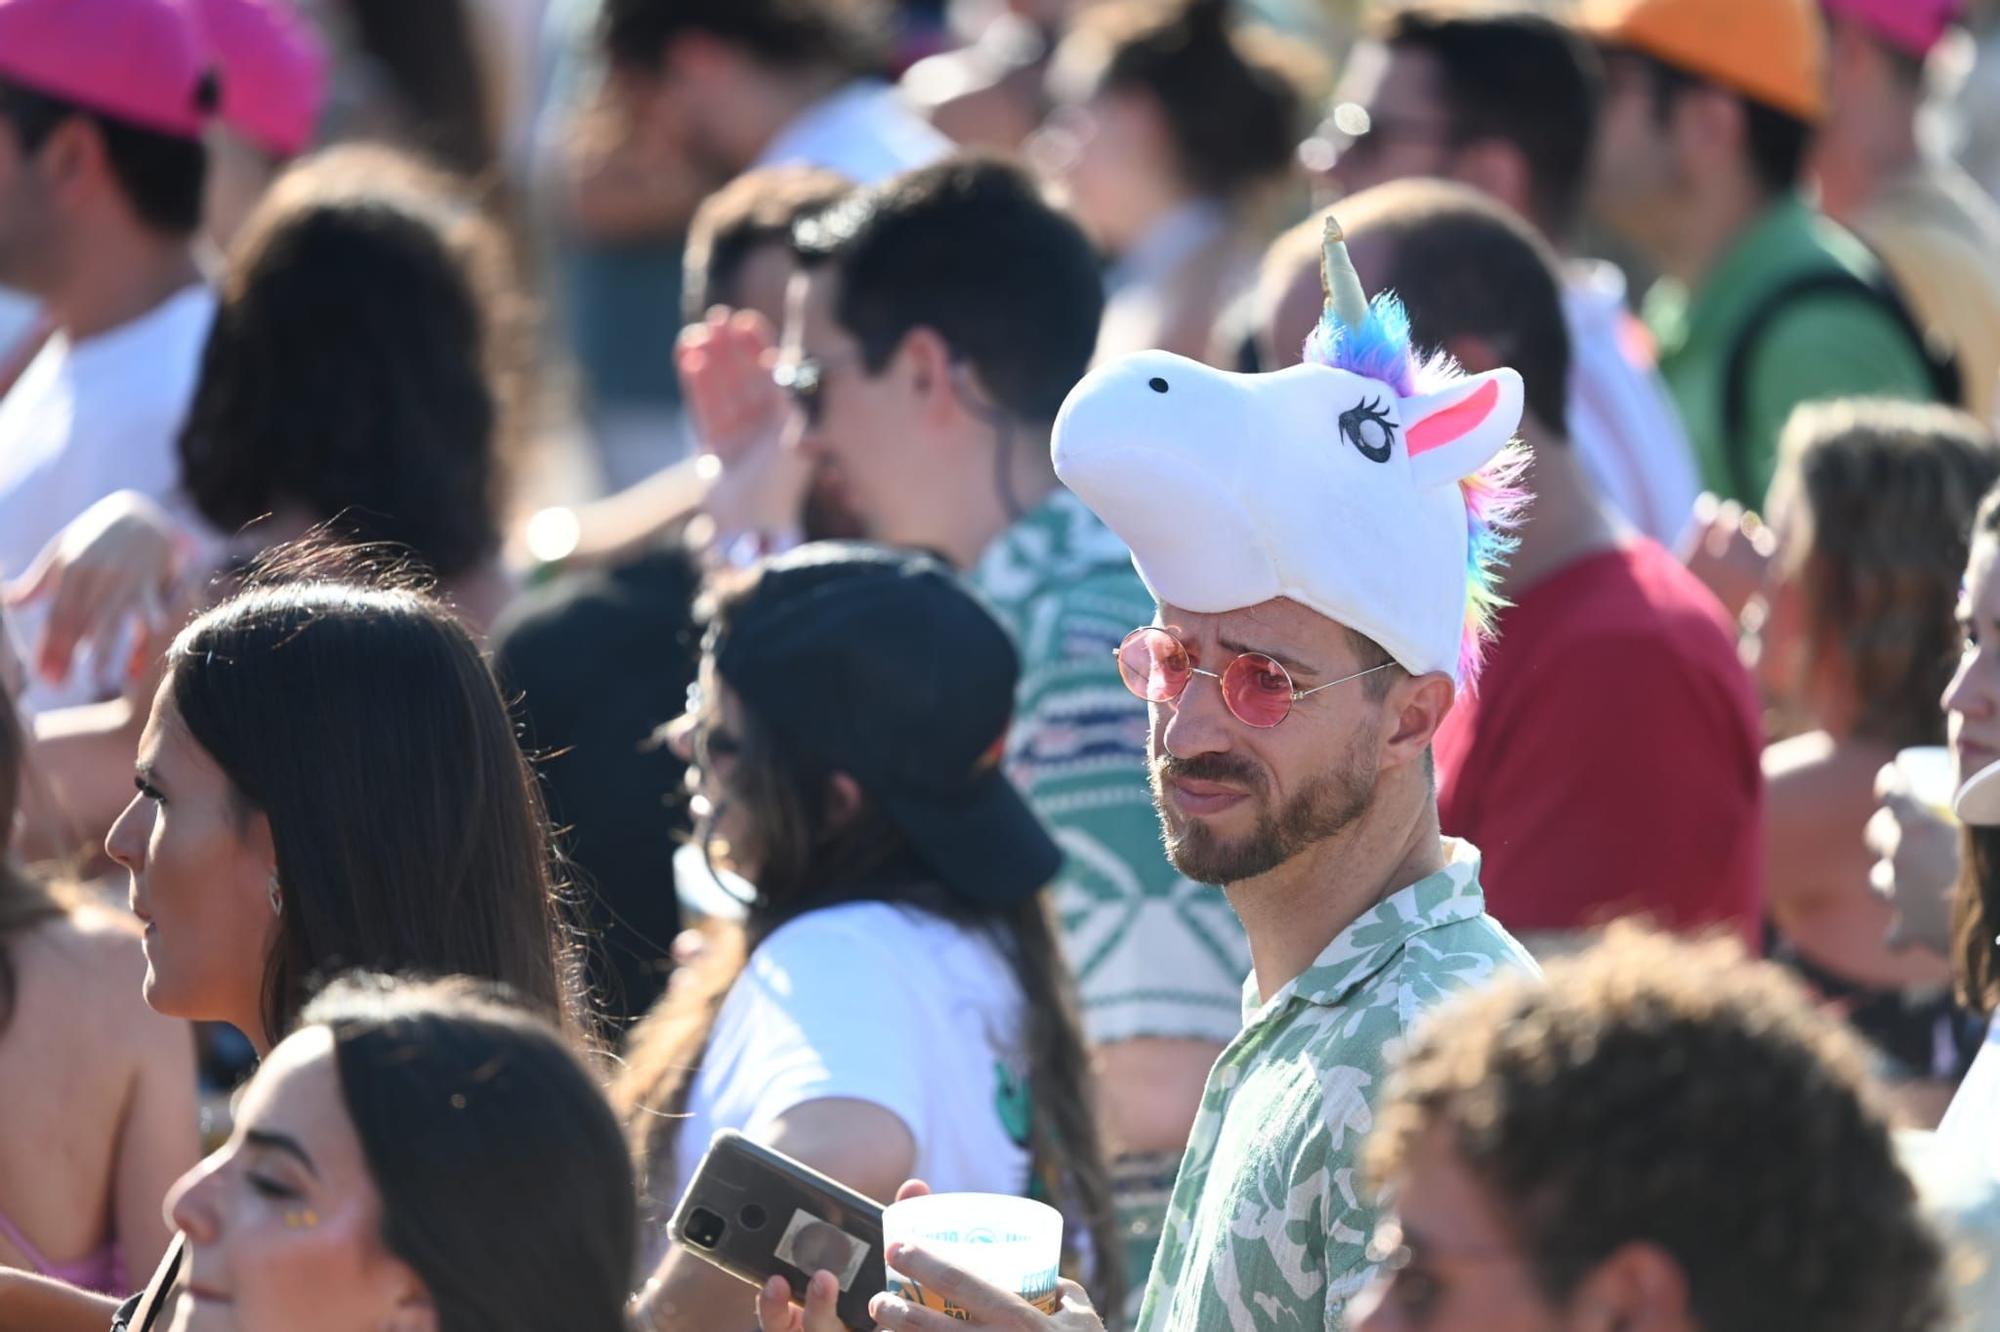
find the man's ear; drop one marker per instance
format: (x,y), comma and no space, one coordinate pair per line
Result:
(73,157)
(1415,707)
(1640,1287)
(1709,125)
(924,364)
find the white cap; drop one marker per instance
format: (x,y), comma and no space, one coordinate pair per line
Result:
(1315,483)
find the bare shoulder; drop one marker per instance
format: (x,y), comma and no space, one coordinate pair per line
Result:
(1818,775)
(91,963)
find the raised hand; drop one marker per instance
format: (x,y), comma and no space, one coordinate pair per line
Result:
(755,484)
(113,564)
(1732,551)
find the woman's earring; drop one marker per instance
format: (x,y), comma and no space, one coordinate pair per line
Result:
(301,1220)
(277,896)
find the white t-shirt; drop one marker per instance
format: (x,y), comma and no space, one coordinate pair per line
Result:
(878,1003)
(91,417)
(865,131)
(1626,433)
(86,419)
(1970,1133)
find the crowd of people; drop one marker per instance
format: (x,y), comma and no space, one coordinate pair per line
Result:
(1357,643)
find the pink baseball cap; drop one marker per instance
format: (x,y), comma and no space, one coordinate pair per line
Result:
(138,61)
(274,71)
(1913,25)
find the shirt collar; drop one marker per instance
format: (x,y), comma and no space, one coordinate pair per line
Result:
(1375,937)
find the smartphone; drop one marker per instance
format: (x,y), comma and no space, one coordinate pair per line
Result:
(756,1214)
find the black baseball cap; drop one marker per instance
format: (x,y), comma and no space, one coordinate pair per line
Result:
(880,664)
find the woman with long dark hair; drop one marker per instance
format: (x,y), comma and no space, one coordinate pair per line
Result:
(328,780)
(895,1003)
(425,1156)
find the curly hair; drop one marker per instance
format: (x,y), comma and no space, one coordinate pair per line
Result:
(1679,1095)
(1882,496)
(360,364)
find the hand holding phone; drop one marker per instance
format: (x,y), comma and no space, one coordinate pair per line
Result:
(757,1213)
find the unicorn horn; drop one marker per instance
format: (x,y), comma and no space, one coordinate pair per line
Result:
(1340,284)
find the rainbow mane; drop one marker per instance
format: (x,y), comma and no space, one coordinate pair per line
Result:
(1495,499)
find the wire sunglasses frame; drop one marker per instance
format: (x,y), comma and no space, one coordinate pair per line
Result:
(1247,682)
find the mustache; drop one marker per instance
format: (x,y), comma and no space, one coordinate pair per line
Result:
(1227,768)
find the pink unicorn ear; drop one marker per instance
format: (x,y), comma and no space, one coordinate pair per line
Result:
(1452,433)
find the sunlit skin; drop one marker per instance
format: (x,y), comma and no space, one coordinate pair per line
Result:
(1115,160)
(284,1224)
(1634,174)
(910,448)
(201,866)
(1453,1261)
(861,454)
(1972,700)
(1453,1264)
(1223,786)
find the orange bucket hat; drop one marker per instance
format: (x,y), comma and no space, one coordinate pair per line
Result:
(1772,51)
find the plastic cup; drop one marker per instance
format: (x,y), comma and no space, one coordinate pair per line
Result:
(1012,1243)
(1930,777)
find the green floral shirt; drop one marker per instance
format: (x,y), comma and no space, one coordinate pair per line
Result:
(1270,1220)
(1154,954)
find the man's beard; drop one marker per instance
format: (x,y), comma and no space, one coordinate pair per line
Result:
(1328,805)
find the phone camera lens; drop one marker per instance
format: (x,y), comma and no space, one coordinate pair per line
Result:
(704,1228)
(751,1217)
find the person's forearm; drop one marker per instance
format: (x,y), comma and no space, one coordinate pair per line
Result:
(30,1303)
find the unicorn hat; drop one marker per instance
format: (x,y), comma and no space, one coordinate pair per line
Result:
(1367,484)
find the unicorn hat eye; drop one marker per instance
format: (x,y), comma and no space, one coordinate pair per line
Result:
(1157,384)
(1370,428)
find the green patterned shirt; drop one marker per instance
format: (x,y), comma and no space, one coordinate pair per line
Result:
(1270,1219)
(1154,954)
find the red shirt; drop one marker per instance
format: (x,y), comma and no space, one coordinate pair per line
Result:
(1610,763)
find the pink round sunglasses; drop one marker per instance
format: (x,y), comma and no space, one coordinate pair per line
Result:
(1257,690)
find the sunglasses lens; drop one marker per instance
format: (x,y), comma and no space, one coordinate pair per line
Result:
(1154,664)
(1257,689)
(800,381)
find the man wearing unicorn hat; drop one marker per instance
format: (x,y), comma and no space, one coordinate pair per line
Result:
(1320,543)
